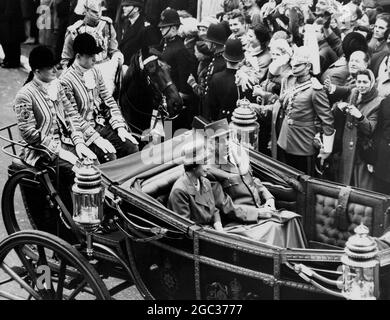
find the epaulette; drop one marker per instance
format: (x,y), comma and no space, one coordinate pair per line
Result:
(316,84)
(107,19)
(73,28)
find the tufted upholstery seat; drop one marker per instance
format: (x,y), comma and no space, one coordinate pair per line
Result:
(330,222)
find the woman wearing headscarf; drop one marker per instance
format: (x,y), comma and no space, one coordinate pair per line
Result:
(361,118)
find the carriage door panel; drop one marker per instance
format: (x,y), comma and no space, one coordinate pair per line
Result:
(334,211)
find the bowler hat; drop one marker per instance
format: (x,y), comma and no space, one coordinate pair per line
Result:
(86,44)
(195,153)
(234,51)
(217,34)
(134,3)
(169,17)
(217,129)
(41,57)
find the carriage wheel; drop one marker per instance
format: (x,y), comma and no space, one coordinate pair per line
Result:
(74,278)
(25,206)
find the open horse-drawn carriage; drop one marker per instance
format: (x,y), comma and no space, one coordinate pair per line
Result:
(169,257)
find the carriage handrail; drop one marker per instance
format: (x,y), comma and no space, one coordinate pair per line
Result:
(13,143)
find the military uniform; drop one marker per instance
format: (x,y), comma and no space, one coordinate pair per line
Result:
(306,112)
(89,96)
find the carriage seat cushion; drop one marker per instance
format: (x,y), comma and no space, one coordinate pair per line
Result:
(162,184)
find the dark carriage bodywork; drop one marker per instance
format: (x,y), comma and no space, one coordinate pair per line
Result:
(173,258)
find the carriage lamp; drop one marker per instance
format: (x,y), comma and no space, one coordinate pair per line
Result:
(88,199)
(245,128)
(360,267)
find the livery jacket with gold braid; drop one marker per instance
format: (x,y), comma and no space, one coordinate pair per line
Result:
(104,33)
(92,100)
(45,122)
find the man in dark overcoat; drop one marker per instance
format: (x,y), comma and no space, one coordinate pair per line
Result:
(11,32)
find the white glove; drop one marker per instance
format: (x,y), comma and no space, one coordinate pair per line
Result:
(104,145)
(83,151)
(125,135)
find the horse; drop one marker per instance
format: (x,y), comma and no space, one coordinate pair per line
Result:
(146,87)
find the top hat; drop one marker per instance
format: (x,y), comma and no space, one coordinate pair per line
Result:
(86,44)
(41,57)
(234,51)
(217,129)
(134,3)
(217,34)
(169,17)
(195,153)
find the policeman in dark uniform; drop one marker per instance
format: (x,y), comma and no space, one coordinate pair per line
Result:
(181,61)
(222,97)
(307,116)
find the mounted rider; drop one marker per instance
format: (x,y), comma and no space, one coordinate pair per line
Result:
(102,29)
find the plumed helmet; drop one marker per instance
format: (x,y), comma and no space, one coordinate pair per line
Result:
(41,57)
(234,51)
(301,55)
(354,41)
(134,3)
(217,34)
(169,17)
(86,44)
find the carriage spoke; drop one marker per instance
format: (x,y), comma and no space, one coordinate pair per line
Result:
(61,280)
(77,290)
(20,281)
(26,264)
(42,261)
(10,296)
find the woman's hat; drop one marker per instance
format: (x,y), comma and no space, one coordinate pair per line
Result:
(195,153)
(41,57)
(86,44)
(217,129)
(169,17)
(234,51)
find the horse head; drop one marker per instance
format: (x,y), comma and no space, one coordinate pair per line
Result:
(158,72)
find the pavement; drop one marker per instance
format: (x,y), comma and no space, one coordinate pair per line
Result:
(11,80)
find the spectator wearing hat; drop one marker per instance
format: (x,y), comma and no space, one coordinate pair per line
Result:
(47,121)
(192,195)
(102,29)
(203,55)
(181,61)
(131,25)
(203,26)
(222,96)
(86,90)
(307,114)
